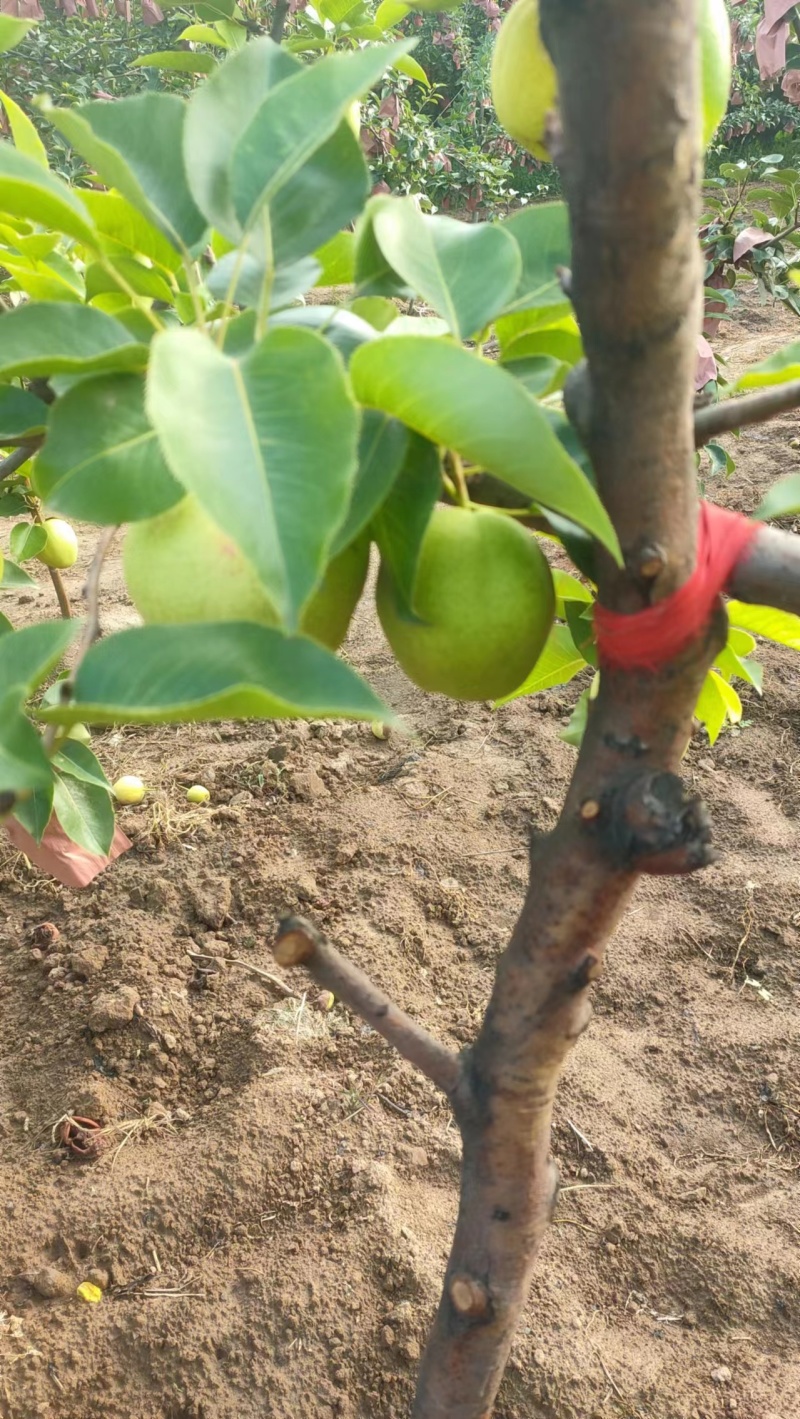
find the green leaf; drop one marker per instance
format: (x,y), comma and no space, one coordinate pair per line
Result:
(782,500)
(203,34)
(102,461)
(123,273)
(466,272)
(779,626)
(323,196)
(27,190)
(721,461)
(541,232)
(381,451)
(555,343)
(568,588)
(34,812)
(27,540)
(575,730)
(336,10)
(136,145)
(28,657)
(84,810)
(374,274)
(473,406)
(580,619)
(5,625)
(21,414)
(345,331)
(729,664)
(376,310)
(408,65)
(24,766)
(218,113)
(780,367)
(225,670)
(183,61)
(212,11)
(540,374)
(558,663)
(26,139)
(717,704)
(401,523)
(116,218)
(241,280)
(240,434)
(12,577)
(13,31)
(336,260)
(389,13)
(292,124)
(79,760)
(49,338)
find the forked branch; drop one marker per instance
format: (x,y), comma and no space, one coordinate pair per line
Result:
(732,414)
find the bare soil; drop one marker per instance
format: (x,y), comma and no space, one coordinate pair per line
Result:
(270,1222)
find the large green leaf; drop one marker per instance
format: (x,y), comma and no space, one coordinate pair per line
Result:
(225,670)
(136,145)
(381,451)
(559,662)
(467,272)
(24,766)
(336,259)
(13,31)
(779,626)
(782,500)
(27,540)
(13,577)
(402,520)
(29,191)
(21,413)
(219,111)
(780,367)
(52,337)
(82,797)
(292,124)
(125,274)
(28,657)
(341,328)
(102,461)
(324,195)
(34,811)
(267,443)
(374,273)
(116,218)
(542,235)
(26,138)
(471,405)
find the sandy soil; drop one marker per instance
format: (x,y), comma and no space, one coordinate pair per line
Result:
(270,1224)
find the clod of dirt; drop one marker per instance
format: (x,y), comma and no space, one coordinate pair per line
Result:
(99,1277)
(308,786)
(113,1009)
(88,960)
(210,899)
(50,1283)
(45,934)
(722,1376)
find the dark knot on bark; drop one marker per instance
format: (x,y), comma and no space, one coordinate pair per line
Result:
(646,823)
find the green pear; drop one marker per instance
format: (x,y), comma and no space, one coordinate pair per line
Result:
(61,548)
(181,567)
(485,602)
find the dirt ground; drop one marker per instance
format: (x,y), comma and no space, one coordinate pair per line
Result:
(270,1221)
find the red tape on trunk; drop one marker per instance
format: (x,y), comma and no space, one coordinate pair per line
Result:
(650,638)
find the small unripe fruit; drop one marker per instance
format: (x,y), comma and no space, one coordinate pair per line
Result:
(61,548)
(197,793)
(80,733)
(129,789)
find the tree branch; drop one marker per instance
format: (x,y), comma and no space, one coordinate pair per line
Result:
(299,943)
(732,414)
(15,460)
(279,20)
(62,595)
(630,166)
(770,573)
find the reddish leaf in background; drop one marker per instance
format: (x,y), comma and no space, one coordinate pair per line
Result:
(22,9)
(771,37)
(151,14)
(791,86)
(706,364)
(747,239)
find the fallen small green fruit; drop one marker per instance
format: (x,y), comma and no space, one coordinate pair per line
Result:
(197,793)
(129,789)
